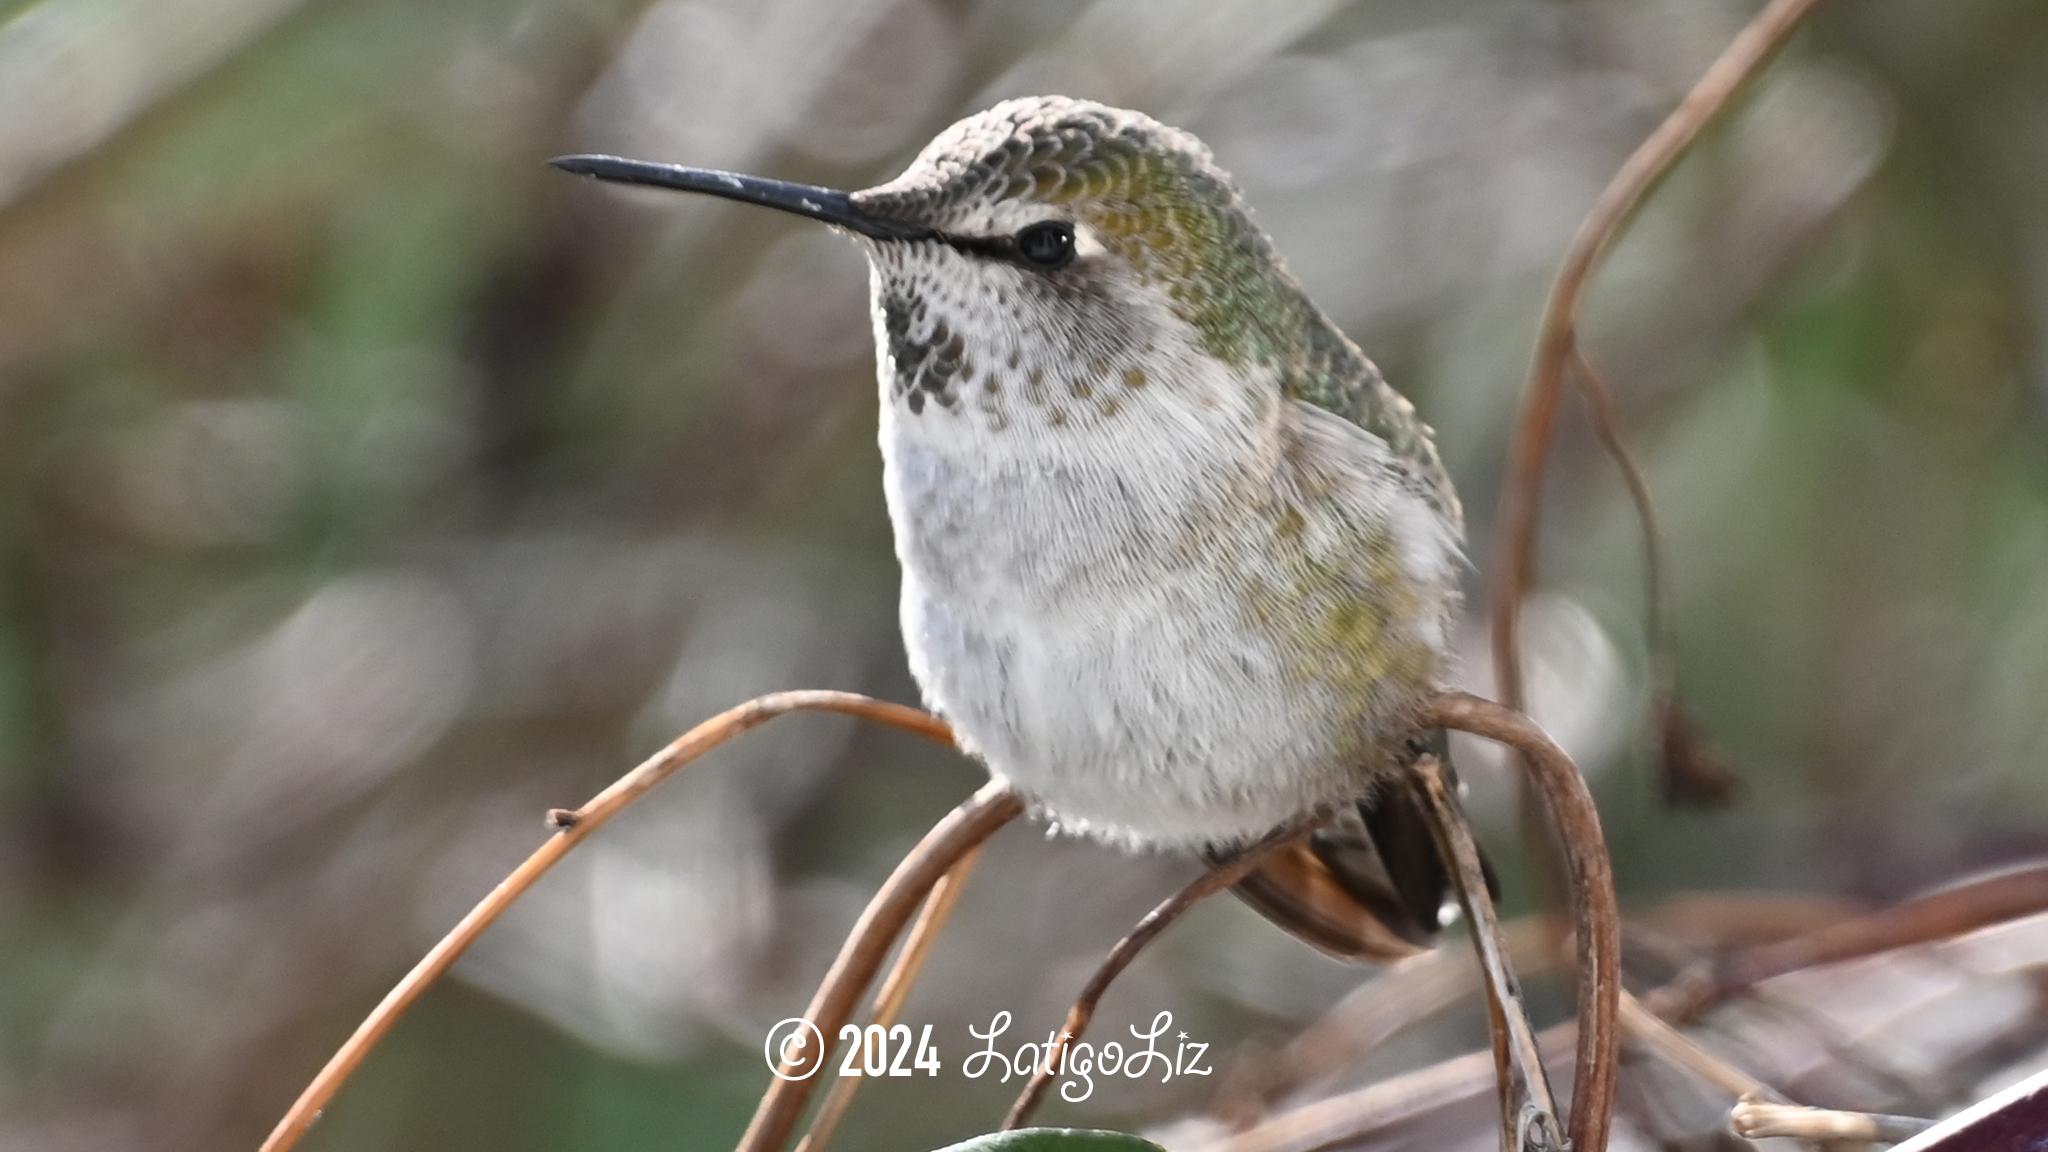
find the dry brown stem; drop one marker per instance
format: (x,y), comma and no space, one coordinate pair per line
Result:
(1528,1110)
(1156,921)
(1948,912)
(1374,1111)
(1410,991)
(1427,983)
(964,828)
(1521,498)
(1691,773)
(1681,1051)
(895,990)
(1951,911)
(1379,1107)
(1609,426)
(573,827)
(1590,878)
(1400,997)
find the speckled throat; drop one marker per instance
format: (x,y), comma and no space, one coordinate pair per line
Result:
(1154,196)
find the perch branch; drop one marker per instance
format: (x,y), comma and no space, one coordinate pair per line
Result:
(960,832)
(1528,1110)
(1591,880)
(1156,921)
(572,826)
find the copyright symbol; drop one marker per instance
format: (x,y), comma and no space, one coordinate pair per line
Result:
(801,1049)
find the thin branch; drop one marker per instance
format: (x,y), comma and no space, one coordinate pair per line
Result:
(1689,770)
(1405,994)
(1429,983)
(895,990)
(1156,921)
(1591,877)
(1371,1111)
(1528,1110)
(1608,426)
(1691,773)
(1521,498)
(1652,1035)
(1755,1121)
(1340,1120)
(1416,988)
(1948,912)
(1951,911)
(572,827)
(974,821)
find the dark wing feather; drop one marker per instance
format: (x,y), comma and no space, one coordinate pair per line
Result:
(1332,374)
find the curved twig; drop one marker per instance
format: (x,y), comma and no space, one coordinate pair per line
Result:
(1521,497)
(1591,877)
(977,817)
(1208,884)
(573,826)
(895,990)
(1691,773)
(1610,427)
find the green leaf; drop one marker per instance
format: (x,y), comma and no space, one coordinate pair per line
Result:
(1055,1140)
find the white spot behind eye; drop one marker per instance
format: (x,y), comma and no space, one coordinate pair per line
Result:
(1086,242)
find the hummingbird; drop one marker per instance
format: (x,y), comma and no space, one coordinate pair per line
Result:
(1177,562)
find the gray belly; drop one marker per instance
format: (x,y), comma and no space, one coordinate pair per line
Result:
(1087,647)
(1141,722)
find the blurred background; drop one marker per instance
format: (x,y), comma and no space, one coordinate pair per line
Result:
(368,488)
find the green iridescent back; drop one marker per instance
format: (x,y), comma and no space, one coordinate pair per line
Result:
(1156,197)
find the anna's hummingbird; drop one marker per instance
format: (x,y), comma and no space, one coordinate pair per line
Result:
(1177,562)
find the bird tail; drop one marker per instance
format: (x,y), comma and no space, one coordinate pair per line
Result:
(1369,886)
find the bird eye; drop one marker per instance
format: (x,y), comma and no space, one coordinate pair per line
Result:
(1048,243)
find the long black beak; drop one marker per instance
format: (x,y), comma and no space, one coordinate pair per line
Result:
(829,205)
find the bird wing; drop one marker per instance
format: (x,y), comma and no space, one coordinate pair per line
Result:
(1330,373)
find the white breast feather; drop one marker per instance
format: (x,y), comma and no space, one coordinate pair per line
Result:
(1055,613)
